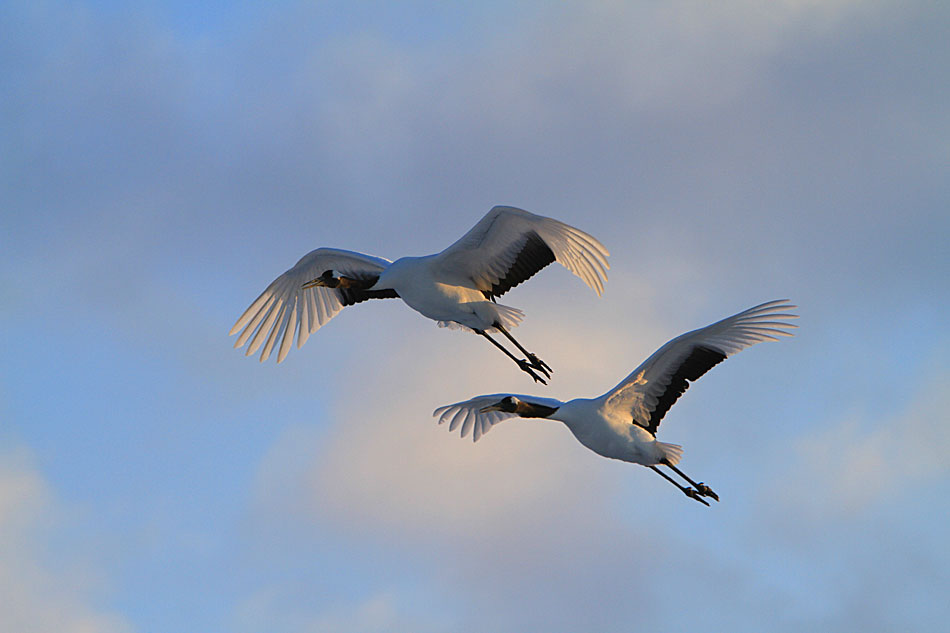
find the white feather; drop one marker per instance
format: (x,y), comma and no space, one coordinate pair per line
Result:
(278,305)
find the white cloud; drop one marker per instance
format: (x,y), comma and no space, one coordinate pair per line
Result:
(37,595)
(859,462)
(378,613)
(526,516)
(385,462)
(266,611)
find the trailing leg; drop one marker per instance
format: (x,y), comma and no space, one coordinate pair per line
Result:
(523,364)
(700,487)
(536,362)
(689,492)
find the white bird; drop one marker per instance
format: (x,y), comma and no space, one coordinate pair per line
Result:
(456,287)
(622,423)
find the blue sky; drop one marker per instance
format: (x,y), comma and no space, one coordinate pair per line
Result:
(160,164)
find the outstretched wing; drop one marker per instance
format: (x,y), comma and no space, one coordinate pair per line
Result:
(286,308)
(509,245)
(653,387)
(468,414)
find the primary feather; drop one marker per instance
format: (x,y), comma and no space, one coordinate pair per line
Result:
(652,388)
(286,308)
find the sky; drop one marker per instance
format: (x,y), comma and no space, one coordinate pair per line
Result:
(161,163)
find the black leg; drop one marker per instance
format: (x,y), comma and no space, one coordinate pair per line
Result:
(689,492)
(523,364)
(536,362)
(702,488)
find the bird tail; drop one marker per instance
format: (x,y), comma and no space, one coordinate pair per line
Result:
(670,452)
(506,315)
(491,313)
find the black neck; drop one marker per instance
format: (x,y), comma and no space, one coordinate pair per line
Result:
(358,284)
(529,410)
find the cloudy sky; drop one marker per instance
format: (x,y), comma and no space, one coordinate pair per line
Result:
(160,164)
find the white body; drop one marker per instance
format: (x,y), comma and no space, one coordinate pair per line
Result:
(612,433)
(443,296)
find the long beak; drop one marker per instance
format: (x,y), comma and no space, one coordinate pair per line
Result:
(314,283)
(493,407)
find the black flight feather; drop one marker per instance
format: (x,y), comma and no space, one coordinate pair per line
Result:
(533,256)
(699,361)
